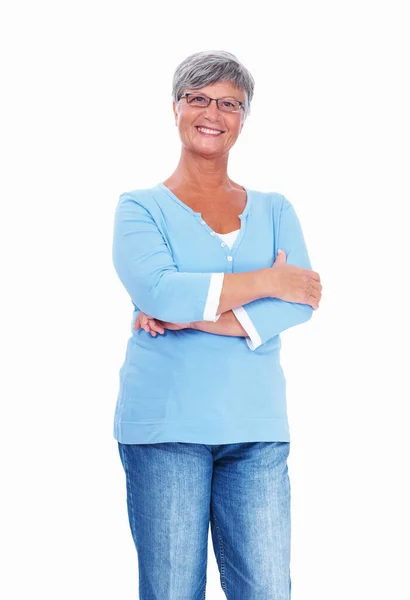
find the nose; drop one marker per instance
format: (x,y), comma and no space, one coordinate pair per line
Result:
(212,108)
(212,111)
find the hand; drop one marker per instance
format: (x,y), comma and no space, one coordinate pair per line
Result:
(154,326)
(295,284)
(150,324)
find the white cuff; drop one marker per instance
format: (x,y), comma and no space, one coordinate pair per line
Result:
(214,294)
(253,341)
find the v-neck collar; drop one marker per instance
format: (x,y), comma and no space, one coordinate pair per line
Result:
(171,194)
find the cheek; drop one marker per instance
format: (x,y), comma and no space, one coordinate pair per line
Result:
(234,128)
(186,128)
(186,119)
(232,135)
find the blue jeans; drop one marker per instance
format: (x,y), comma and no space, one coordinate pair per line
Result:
(175,489)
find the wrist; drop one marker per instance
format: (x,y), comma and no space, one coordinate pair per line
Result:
(269,284)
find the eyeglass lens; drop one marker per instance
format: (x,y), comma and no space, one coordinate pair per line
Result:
(227,104)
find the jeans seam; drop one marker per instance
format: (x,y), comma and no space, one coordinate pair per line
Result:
(221,553)
(203,597)
(129,492)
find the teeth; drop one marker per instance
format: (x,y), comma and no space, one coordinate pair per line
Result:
(211,131)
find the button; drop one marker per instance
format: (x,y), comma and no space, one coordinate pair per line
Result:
(212,232)
(202,222)
(229,257)
(223,244)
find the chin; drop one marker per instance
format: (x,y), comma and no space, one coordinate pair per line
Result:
(204,151)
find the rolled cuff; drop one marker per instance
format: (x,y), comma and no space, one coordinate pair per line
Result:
(253,340)
(213,299)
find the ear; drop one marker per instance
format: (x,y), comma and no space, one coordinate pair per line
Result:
(174,108)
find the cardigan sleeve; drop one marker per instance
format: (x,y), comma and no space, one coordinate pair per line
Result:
(145,266)
(214,295)
(267,317)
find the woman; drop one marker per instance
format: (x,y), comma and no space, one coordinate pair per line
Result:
(201,418)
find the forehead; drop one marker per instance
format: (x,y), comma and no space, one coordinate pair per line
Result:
(219,90)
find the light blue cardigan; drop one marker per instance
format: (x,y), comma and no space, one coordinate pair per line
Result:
(189,385)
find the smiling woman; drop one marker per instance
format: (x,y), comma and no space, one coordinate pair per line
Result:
(217,110)
(201,419)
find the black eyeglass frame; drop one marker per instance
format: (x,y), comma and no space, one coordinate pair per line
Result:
(241,104)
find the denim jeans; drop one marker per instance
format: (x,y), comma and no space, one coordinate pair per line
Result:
(175,489)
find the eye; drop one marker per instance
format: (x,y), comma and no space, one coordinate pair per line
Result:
(197,100)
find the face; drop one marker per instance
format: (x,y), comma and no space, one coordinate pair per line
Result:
(189,118)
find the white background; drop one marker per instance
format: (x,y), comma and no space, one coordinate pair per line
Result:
(87,114)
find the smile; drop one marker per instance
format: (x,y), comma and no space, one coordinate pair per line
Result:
(206,131)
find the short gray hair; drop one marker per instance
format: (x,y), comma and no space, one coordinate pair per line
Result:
(212,66)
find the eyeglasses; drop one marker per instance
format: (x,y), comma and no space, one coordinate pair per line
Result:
(227,104)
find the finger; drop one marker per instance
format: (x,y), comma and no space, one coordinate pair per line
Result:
(150,329)
(314,303)
(155,326)
(316,285)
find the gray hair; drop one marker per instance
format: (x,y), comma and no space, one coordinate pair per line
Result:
(212,66)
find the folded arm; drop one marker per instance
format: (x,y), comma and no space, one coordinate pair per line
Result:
(144,264)
(230,323)
(264,318)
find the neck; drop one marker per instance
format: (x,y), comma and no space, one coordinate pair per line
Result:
(201,173)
